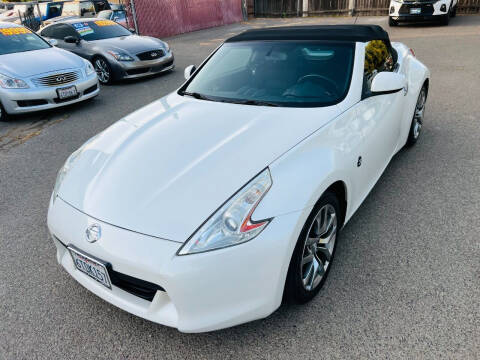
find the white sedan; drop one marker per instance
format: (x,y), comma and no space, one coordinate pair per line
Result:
(208,207)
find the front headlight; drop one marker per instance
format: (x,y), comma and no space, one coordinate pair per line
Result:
(120,56)
(166,46)
(232,224)
(89,70)
(64,171)
(399,1)
(7,82)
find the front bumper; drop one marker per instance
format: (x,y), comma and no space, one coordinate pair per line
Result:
(429,10)
(18,101)
(138,69)
(203,292)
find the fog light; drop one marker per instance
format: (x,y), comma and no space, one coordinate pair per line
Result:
(443,8)
(392,9)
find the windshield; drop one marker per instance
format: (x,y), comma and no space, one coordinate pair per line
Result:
(282,73)
(100,29)
(19,39)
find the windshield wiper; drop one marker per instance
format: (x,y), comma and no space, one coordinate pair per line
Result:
(196,95)
(251,102)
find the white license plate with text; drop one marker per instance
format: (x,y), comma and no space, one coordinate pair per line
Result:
(66,93)
(415,11)
(92,267)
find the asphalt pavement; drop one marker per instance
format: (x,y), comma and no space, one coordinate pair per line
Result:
(406,278)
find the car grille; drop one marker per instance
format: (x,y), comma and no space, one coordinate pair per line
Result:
(134,286)
(57,79)
(151,55)
(427,8)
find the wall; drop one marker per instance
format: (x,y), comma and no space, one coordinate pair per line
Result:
(161,18)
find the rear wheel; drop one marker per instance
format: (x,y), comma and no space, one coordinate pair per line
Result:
(103,69)
(417,121)
(314,251)
(392,22)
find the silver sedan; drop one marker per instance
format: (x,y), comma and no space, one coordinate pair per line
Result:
(34,75)
(114,51)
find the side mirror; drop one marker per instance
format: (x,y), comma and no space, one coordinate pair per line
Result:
(71,39)
(53,42)
(132,30)
(189,70)
(388,82)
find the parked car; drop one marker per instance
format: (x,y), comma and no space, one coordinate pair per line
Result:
(119,16)
(34,75)
(80,9)
(421,10)
(115,52)
(4,7)
(209,206)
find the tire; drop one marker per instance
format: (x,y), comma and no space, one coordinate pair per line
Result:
(445,19)
(418,116)
(103,69)
(3,114)
(392,22)
(311,261)
(454,12)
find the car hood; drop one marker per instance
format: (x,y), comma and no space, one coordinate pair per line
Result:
(163,170)
(132,44)
(27,64)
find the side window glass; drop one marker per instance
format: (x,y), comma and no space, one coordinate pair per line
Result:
(377,59)
(59,32)
(47,32)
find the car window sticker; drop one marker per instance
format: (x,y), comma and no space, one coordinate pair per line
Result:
(14,31)
(83,28)
(105,23)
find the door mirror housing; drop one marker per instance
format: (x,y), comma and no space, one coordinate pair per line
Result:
(53,42)
(132,30)
(71,40)
(387,82)
(189,70)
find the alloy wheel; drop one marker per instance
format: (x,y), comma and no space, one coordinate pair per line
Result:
(103,70)
(419,114)
(319,246)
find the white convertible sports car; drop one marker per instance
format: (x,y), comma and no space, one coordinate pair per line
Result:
(208,207)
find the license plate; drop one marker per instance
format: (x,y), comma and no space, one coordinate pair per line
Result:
(414,11)
(92,267)
(67,92)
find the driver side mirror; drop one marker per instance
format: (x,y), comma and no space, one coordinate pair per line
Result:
(132,30)
(387,82)
(71,40)
(189,70)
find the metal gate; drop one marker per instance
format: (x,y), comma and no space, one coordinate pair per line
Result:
(277,8)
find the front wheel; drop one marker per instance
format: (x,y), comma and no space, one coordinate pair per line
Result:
(418,115)
(392,22)
(103,69)
(314,251)
(445,19)
(3,114)
(454,11)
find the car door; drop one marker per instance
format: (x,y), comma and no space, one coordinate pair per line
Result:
(379,117)
(60,31)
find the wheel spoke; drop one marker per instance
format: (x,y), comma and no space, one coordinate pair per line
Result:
(325,252)
(307,259)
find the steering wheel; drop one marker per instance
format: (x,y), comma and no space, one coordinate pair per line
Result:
(332,86)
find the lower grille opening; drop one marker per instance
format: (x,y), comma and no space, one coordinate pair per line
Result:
(26,103)
(59,101)
(141,288)
(138,71)
(168,64)
(90,89)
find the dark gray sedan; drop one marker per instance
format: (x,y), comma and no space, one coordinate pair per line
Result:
(114,51)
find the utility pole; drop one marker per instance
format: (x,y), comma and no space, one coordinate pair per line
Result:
(305,8)
(351,7)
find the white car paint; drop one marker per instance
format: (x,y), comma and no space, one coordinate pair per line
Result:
(395,7)
(151,179)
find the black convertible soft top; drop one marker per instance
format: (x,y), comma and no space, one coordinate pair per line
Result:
(361,33)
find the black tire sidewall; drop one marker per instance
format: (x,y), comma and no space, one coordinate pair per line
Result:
(4,116)
(411,139)
(294,291)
